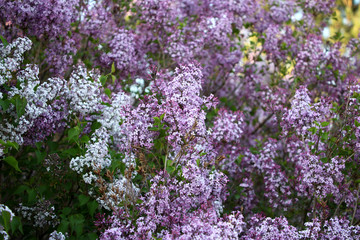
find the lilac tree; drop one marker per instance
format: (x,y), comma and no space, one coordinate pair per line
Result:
(186,119)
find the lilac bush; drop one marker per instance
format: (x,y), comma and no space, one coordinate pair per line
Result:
(183,119)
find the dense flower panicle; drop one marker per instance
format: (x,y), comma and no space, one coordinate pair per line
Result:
(96,156)
(281,11)
(114,114)
(276,185)
(84,92)
(334,228)
(183,103)
(12,56)
(59,55)
(41,215)
(317,178)
(267,228)
(155,12)
(304,115)
(124,52)
(55,235)
(138,121)
(50,122)
(98,21)
(228,126)
(311,55)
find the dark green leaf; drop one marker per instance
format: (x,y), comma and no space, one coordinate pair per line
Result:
(12,162)
(83,199)
(3,40)
(6,220)
(20,104)
(108,92)
(74,133)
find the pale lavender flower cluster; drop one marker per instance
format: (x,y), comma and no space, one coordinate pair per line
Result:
(267,228)
(183,103)
(304,115)
(228,126)
(124,52)
(318,178)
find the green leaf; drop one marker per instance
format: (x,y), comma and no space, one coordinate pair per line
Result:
(108,92)
(16,225)
(92,206)
(3,40)
(71,151)
(313,130)
(103,80)
(20,104)
(63,227)
(83,199)
(170,169)
(77,223)
(5,104)
(40,156)
(9,144)
(66,211)
(6,220)
(95,126)
(113,78)
(74,133)
(12,162)
(157,120)
(357,124)
(324,124)
(85,139)
(198,162)
(162,116)
(113,67)
(31,196)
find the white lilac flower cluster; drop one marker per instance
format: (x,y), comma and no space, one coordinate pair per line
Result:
(41,215)
(55,235)
(96,157)
(117,191)
(11,56)
(84,91)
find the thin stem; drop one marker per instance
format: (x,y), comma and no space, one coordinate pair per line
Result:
(355,208)
(166,156)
